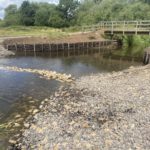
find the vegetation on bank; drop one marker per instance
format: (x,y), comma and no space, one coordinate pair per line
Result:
(75,12)
(56,20)
(32,31)
(134,45)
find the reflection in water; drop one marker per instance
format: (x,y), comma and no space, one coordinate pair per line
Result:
(17,89)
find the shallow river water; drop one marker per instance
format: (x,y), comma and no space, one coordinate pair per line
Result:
(17,89)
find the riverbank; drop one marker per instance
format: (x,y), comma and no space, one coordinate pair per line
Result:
(61,41)
(102,111)
(4,52)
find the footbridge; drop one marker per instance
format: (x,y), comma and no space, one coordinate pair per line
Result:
(121,27)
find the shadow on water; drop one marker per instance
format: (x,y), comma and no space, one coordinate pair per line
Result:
(22,92)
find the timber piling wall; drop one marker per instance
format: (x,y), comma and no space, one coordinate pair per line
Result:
(54,47)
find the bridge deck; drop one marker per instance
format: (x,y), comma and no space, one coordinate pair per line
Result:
(121,27)
(108,32)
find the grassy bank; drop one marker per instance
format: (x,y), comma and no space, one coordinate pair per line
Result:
(31,31)
(133,46)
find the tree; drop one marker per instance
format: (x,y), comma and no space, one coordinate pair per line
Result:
(56,20)
(44,13)
(12,16)
(41,17)
(27,12)
(68,9)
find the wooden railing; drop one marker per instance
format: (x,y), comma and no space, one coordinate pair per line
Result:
(124,26)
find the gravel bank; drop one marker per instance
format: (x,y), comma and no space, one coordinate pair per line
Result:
(103,111)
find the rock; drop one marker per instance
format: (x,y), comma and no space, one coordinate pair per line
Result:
(85,125)
(54,110)
(46,100)
(17,135)
(17,116)
(17,125)
(67,107)
(26,125)
(12,141)
(35,111)
(41,106)
(30,111)
(67,94)
(32,102)
(56,94)
(19,119)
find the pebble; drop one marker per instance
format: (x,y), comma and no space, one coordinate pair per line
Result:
(41,106)
(17,116)
(17,125)
(12,141)
(35,111)
(26,125)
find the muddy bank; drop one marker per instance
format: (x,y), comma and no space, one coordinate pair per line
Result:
(70,38)
(103,111)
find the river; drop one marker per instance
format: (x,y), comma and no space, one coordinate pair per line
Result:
(19,92)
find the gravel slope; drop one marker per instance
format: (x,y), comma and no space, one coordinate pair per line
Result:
(103,111)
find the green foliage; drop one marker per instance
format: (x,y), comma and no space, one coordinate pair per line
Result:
(1,23)
(68,10)
(76,12)
(43,13)
(55,20)
(112,10)
(12,16)
(134,46)
(41,17)
(27,12)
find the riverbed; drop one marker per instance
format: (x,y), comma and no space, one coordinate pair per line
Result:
(21,91)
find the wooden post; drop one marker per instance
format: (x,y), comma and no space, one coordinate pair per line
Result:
(136,27)
(57,49)
(99,46)
(112,28)
(25,49)
(74,48)
(42,48)
(63,49)
(124,24)
(34,50)
(16,47)
(68,49)
(50,48)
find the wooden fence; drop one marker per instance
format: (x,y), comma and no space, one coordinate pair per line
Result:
(123,27)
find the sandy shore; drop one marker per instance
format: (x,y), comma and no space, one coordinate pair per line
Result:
(103,111)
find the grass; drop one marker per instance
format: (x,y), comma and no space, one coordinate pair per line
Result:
(31,31)
(133,46)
